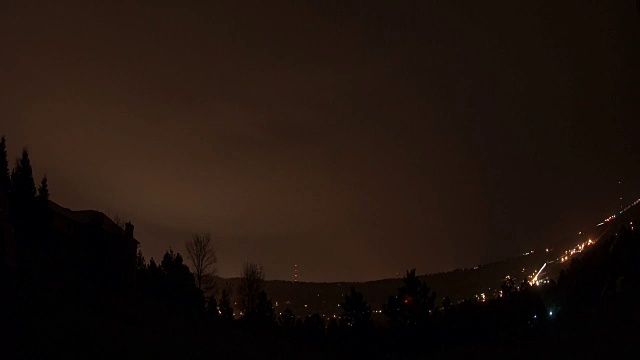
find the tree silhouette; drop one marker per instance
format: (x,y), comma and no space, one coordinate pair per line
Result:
(22,201)
(508,286)
(24,187)
(447,304)
(140,262)
(413,304)
(226,311)
(4,167)
(211,311)
(5,183)
(251,284)
(313,329)
(334,330)
(287,319)
(202,256)
(42,224)
(173,264)
(356,312)
(179,287)
(43,191)
(264,312)
(152,264)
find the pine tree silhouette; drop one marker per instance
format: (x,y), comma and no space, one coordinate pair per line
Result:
(22,179)
(22,199)
(4,203)
(43,191)
(413,304)
(4,167)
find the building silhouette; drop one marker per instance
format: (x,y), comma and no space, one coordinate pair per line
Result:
(93,251)
(79,254)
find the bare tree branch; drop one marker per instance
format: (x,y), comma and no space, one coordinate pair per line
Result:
(251,283)
(203,257)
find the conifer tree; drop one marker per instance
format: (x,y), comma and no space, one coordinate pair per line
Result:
(4,193)
(24,213)
(4,167)
(413,304)
(43,217)
(140,261)
(24,187)
(43,191)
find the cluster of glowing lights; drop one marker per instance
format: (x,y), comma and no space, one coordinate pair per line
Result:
(608,219)
(578,249)
(621,211)
(535,278)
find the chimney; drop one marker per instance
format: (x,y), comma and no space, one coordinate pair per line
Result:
(128,230)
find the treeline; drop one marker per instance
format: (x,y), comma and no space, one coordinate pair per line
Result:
(175,309)
(591,311)
(593,304)
(24,210)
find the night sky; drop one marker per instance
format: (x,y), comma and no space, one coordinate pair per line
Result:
(354,138)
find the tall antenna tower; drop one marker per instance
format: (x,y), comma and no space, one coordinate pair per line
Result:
(295,273)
